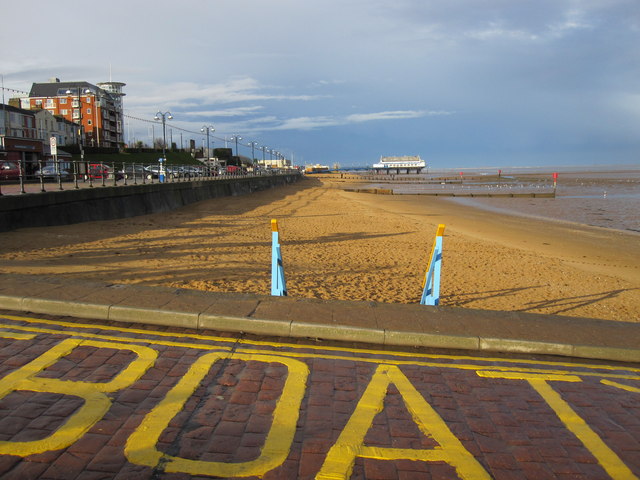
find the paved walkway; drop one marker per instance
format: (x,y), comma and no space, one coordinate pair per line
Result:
(88,400)
(367,322)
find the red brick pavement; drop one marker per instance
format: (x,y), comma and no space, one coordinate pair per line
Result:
(510,430)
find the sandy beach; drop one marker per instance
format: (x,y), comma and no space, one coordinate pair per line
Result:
(352,246)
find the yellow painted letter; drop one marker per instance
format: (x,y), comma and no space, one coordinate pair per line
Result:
(341,457)
(141,445)
(96,403)
(605,456)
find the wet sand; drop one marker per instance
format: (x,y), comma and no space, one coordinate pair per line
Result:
(352,246)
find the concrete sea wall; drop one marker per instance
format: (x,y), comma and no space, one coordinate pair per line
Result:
(107,203)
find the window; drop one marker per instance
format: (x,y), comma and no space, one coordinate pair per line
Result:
(50,103)
(76,113)
(38,102)
(88,111)
(89,122)
(88,99)
(63,101)
(64,111)
(75,103)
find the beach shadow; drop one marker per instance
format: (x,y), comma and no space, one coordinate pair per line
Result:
(563,305)
(345,237)
(475,296)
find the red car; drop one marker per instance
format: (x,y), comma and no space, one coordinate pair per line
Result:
(100,170)
(9,171)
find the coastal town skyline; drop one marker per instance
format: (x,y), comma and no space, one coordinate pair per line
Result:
(459,84)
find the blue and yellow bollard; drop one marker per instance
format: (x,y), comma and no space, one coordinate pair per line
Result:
(278,284)
(431,283)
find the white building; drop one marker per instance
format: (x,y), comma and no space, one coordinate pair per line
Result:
(398,165)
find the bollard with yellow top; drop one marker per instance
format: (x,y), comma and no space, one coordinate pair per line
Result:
(278,284)
(431,283)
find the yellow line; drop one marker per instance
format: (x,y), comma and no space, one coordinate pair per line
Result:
(312,347)
(114,339)
(17,336)
(375,361)
(628,388)
(458,366)
(605,456)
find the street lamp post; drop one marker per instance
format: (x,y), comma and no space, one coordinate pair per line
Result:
(164,116)
(208,129)
(264,148)
(80,133)
(236,138)
(253,155)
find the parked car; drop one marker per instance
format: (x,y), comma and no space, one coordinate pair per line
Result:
(138,170)
(191,171)
(49,172)
(169,172)
(9,171)
(100,170)
(235,170)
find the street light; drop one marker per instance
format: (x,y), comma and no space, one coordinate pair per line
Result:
(80,134)
(236,138)
(208,129)
(253,155)
(164,116)
(263,148)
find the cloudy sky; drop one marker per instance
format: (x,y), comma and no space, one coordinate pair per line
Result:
(459,82)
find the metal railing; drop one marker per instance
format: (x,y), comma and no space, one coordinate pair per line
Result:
(67,175)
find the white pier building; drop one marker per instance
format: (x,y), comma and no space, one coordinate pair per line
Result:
(398,165)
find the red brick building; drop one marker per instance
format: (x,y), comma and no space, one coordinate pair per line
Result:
(96,108)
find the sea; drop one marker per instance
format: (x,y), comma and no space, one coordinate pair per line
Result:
(602,196)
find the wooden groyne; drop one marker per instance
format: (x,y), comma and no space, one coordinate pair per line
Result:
(388,191)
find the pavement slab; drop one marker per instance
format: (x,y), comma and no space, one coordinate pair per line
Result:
(371,322)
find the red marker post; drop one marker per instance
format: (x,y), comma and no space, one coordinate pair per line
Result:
(555,179)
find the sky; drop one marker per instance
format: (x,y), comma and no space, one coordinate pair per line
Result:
(461,83)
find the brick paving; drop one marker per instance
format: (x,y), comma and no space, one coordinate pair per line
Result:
(504,424)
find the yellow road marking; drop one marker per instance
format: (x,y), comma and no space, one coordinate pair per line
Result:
(239,341)
(350,444)
(17,336)
(141,445)
(621,386)
(115,339)
(455,366)
(606,457)
(96,403)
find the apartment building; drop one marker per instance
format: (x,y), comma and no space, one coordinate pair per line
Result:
(48,125)
(19,142)
(97,109)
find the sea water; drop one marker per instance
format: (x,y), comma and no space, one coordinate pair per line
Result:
(607,196)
